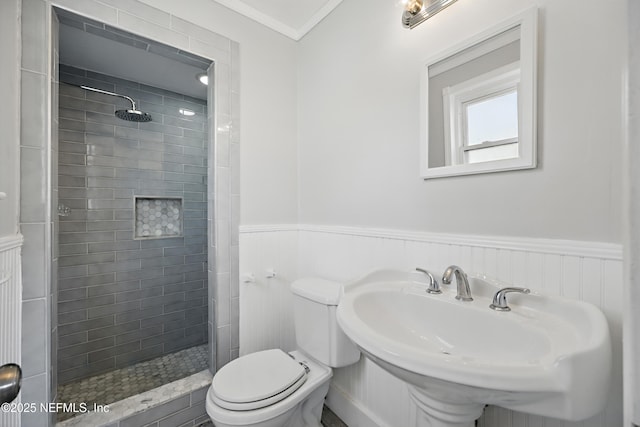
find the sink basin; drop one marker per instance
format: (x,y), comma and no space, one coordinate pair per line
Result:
(543,357)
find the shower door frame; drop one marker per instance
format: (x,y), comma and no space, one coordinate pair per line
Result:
(38,192)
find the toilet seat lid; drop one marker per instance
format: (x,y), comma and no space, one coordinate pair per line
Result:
(257,380)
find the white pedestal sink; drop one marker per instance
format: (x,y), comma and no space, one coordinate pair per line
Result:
(543,357)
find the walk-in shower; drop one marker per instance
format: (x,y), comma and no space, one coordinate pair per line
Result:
(46,128)
(132,297)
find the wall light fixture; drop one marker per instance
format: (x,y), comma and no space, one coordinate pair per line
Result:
(418,11)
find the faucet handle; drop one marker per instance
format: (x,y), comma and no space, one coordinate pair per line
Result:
(434,287)
(500,298)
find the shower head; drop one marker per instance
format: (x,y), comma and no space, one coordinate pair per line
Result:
(131,115)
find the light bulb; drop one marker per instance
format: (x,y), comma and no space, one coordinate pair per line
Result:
(203,78)
(413,6)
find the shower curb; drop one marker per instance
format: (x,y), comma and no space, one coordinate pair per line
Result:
(174,404)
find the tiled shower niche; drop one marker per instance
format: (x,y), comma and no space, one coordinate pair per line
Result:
(158,217)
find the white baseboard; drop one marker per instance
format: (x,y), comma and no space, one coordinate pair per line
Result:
(352,412)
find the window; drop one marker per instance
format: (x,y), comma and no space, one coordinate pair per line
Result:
(481,117)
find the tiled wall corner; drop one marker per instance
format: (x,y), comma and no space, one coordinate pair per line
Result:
(234,197)
(226,199)
(37,194)
(214,363)
(55,219)
(233,203)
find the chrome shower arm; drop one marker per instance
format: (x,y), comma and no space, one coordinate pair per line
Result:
(106,92)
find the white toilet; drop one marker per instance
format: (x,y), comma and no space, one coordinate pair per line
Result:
(274,389)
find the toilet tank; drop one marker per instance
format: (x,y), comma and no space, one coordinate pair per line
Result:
(317,332)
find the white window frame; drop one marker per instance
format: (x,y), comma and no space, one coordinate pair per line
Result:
(455,99)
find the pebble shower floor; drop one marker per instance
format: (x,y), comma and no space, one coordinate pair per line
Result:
(116,385)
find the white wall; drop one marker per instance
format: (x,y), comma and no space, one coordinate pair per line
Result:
(267,109)
(632,221)
(358,98)
(9,114)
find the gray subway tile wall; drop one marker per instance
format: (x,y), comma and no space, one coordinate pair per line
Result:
(123,300)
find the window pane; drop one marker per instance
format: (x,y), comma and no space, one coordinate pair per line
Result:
(492,119)
(509,151)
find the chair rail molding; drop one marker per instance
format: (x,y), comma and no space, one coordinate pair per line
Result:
(602,250)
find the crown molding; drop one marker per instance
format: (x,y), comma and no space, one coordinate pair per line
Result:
(317,17)
(279,26)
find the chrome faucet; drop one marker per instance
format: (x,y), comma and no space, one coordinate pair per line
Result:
(500,298)
(464,292)
(434,287)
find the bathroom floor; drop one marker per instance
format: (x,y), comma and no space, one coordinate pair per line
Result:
(126,382)
(122,383)
(329,419)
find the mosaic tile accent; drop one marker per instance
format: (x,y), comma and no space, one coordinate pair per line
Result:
(117,385)
(158,217)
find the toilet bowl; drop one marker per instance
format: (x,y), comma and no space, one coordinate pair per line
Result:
(287,408)
(272,388)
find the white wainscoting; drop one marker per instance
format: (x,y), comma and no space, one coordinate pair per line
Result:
(10,312)
(364,395)
(266,311)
